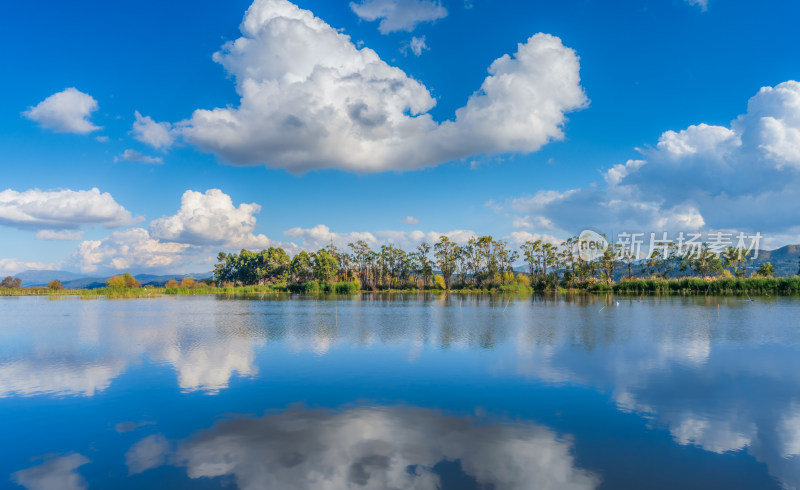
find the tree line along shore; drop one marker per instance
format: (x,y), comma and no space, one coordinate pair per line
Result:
(481,264)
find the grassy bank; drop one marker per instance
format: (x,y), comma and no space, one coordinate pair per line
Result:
(83,293)
(694,285)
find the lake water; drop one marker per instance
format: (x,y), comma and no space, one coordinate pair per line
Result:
(408,391)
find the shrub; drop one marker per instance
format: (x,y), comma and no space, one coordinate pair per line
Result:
(124,281)
(11,282)
(522,280)
(347,287)
(309,287)
(55,285)
(766,270)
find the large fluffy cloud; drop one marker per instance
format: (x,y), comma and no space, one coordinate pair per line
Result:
(399,15)
(129,249)
(700,177)
(67,111)
(311,99)
(211,219)
(204,224)
(67,209)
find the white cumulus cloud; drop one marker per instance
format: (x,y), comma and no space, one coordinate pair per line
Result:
(615,174)
(698,140)
(65,209)
(527,222)
(155,134)
(321,236)
(128,250)
(517,238)
(67,111)
(205,222)
(706,177)
(211,218)
(310,99)
(399,15)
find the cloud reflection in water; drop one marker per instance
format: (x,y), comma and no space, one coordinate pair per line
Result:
(377,448)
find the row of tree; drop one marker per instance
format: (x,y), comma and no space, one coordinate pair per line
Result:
(480,262)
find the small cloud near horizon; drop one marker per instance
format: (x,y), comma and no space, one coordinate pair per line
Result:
(409,220)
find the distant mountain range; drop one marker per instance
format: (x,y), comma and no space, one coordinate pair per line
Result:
(72,280)
(783,259)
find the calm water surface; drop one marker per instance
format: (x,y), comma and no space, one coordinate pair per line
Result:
(400,392)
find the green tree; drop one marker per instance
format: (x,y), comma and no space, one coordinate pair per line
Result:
(301,267)
(729,256)
(444,251)
(529,249)
(247,267)
(608,262)
(425,267)
(735,259)
(273,265)
(362,258)
(706,262)
(11,282)
(628,257)
(225,269)
(325,267)
(766,270)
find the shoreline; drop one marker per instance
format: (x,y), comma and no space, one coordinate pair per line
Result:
(638,287)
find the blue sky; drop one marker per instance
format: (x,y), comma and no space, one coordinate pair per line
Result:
(315,129)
